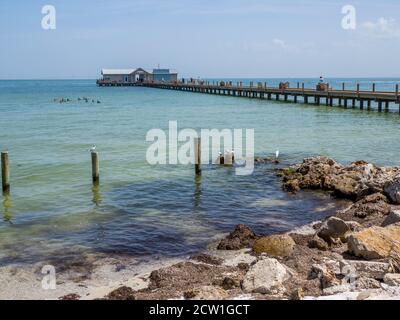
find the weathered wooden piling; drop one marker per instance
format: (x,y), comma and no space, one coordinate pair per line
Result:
(5,173)
(95,167)
(379,105)
(197,156)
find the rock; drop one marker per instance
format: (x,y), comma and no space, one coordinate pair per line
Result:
(229,283)
(392,190)
(392,279)
(241,237)
(375,242)
(122,293)
(243,266)
(206,293)
(354,181)
(340,288)
(392,218)
(375,204)
(369,211)
(364,283)
(308,175)
(318,243)
(70,296)
(326,276)
(297,294)
(280,245)
(238,259)
(266,277)
(333,230)
(369,269)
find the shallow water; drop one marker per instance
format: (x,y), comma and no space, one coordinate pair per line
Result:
(144,210)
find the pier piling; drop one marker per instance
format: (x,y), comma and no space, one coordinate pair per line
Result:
(5,173)
(197,156)
(95,167)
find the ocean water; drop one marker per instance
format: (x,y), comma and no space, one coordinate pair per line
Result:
(146,211)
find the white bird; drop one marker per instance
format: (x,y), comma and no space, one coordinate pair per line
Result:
(93,148)
(276,154)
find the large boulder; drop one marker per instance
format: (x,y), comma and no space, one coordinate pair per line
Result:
(241,237)
(266,277)
(375,242)
(279,245)
(334,230)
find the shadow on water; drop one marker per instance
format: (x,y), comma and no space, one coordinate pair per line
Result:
(167,218)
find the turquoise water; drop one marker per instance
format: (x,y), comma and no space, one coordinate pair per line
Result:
(156,211)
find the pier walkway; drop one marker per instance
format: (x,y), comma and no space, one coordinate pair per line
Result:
(330,97)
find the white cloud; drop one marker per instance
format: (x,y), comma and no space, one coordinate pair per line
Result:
(280,43)
(382,28)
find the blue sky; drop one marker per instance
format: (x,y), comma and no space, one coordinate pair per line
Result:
(226,38)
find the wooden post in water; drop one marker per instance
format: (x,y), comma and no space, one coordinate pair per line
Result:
(397,91)
(302,86)
(95,167)
(343,86)
(197,155)
(5,173)
(373,87)
(358,88)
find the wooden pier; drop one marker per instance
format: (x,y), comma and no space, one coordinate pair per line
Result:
(330,97)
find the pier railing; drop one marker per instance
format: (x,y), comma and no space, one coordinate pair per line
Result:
(342,97)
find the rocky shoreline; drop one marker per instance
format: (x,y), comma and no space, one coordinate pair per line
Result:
(354,254)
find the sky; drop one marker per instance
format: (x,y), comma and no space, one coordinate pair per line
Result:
(219,38)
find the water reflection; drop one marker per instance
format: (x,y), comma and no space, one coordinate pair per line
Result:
(97,196)
(197,191)
(6,208)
